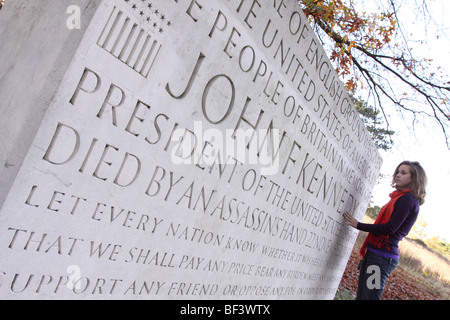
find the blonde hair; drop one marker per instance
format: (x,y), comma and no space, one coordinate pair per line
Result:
(418,179)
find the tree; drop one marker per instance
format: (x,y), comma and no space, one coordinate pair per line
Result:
(371,118)
(373,211)
(438,244)
(373,51)
(419,230)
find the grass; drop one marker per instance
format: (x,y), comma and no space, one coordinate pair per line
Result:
(428,266)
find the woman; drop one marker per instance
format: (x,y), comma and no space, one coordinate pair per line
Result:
(395,220)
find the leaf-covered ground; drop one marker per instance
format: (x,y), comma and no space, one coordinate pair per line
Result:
(402,284)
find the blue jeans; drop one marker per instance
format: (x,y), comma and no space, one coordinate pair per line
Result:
(373,274)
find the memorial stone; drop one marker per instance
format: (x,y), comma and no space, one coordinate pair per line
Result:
(174,149)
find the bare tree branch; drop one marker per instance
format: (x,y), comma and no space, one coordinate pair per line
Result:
(387,67)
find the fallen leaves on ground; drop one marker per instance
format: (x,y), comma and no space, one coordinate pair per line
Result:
(400,285)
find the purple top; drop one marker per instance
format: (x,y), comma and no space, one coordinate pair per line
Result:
(406,210)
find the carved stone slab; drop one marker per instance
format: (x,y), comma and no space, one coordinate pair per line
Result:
(176,149)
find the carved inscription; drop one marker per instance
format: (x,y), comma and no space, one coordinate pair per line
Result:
(217,166)
(130,43)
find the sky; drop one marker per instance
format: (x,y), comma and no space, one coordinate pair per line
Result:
(426,145)
(425,142)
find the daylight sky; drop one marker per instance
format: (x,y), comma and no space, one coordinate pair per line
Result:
(425,142)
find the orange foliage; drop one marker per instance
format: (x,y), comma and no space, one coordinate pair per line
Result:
(350,30)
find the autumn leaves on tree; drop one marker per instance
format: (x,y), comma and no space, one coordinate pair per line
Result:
(372,52)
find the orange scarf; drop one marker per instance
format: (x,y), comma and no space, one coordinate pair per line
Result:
(383,217)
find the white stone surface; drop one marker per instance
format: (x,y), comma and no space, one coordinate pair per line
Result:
(120,195)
